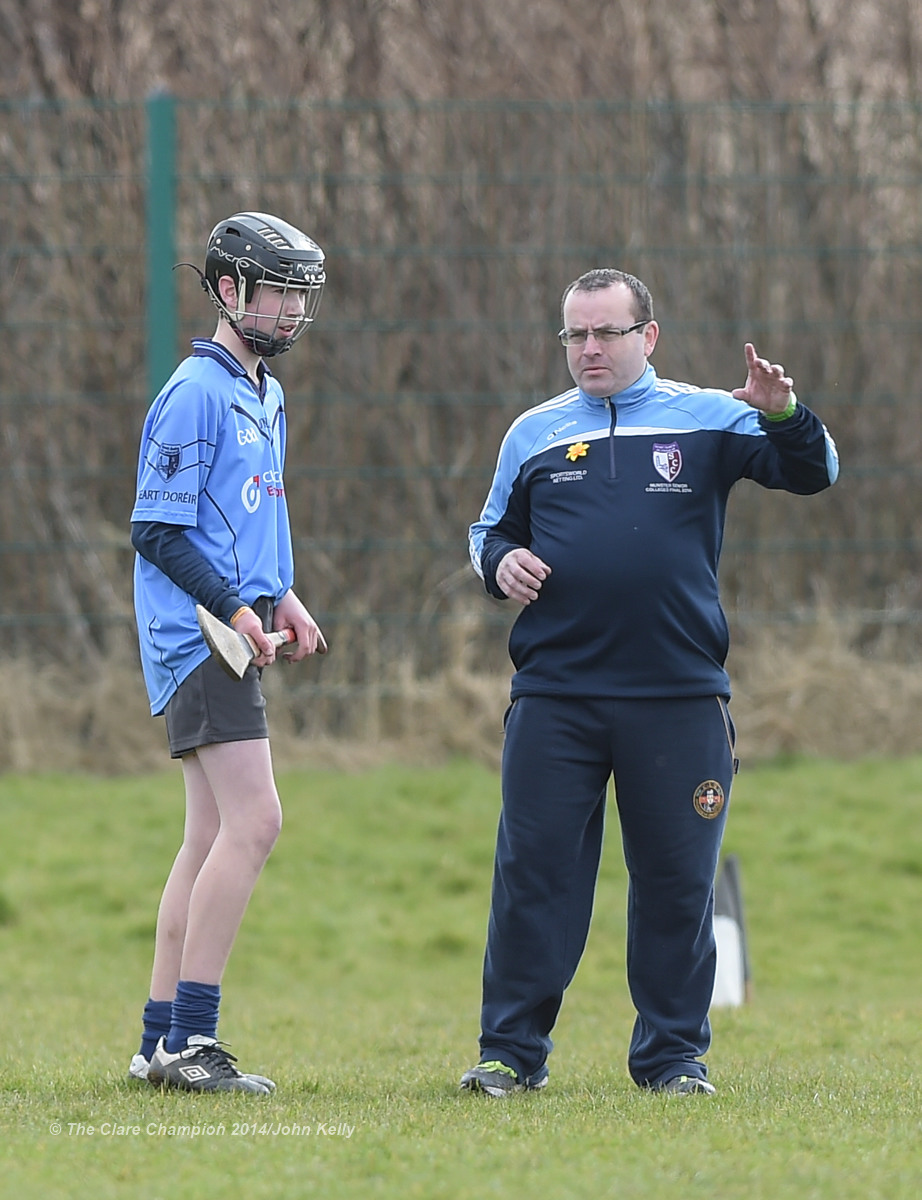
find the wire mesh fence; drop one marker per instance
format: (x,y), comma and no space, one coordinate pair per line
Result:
(451,230)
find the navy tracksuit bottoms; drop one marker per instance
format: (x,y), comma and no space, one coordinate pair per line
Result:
(672,762)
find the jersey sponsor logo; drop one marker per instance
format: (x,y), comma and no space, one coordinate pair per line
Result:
(577,450)
(667,460)
(568,476)
(253,486)
(168,461)
(709,799)
(273,482)
(250,494)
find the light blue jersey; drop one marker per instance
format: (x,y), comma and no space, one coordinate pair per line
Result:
(212,459)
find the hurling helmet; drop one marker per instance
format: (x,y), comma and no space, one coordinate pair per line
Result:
(258,249)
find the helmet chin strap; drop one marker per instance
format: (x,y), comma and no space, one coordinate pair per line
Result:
(261,343)
(266,345)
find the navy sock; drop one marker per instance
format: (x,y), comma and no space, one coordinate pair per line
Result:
(158,1015)
(195,1010)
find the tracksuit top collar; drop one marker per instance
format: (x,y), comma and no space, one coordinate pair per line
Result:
(638,391)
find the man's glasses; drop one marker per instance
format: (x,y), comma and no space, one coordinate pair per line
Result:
(605,335)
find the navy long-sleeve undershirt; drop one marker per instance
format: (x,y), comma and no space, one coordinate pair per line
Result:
(168,548)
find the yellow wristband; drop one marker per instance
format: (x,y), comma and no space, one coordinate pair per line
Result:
(240,611)
(783,416)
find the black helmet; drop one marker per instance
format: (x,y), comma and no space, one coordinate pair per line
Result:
(256,248)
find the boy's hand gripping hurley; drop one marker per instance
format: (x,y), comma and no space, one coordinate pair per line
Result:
(235,651)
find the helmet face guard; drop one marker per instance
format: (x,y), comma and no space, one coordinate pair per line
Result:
(267,259)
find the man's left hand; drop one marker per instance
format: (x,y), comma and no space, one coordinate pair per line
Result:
(767,387)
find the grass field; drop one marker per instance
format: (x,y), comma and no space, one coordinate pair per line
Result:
(355,984)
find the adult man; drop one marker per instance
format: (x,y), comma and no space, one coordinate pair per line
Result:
(210,525)
(605,521)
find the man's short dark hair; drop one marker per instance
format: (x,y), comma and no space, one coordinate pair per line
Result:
(605,277)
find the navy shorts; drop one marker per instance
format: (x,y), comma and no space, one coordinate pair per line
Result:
(210,707)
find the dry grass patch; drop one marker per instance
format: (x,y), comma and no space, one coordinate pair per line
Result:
(805,689)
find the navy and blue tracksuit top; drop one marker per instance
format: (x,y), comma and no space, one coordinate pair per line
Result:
(625,500)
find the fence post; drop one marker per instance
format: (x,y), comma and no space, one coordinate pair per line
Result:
(161,251)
